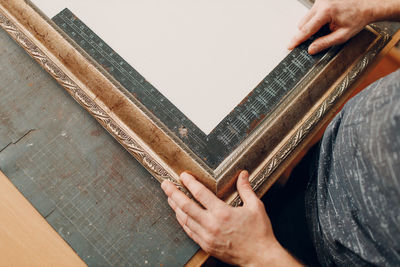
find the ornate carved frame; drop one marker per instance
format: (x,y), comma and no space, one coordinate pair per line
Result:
(266,152)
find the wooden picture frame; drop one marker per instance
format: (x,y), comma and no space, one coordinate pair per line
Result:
(272,142)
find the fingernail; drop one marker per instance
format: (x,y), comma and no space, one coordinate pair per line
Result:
(312,49)
(184,176)
(290,46)
(164,185)
(244,175)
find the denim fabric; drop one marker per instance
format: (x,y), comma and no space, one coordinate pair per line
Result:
(353,199)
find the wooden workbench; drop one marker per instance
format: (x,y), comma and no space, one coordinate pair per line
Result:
(26,239)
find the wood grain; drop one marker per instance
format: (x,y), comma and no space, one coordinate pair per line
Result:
(26,239)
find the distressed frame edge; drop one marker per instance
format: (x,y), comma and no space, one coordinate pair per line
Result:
(262,174)
(155,165)
(103,114)
(133,147)
(128,95)
(201,256)
(268,172)
(235,201)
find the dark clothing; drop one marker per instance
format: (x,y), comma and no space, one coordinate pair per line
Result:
(353,199)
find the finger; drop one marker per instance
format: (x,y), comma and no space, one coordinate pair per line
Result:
(183,202)
(192,235)
(186,221)
(307,17)
(334,38)
(172,204)
(194,230)
(309,29)
(244,188)
(196,238)
(200,192)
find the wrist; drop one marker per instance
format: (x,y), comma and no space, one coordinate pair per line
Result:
(370,11)
(281,257)
(383,10)
(273,255)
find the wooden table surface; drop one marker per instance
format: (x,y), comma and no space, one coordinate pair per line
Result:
(26,239)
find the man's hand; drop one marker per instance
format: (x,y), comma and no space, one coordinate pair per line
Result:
(240,236)
(345,18)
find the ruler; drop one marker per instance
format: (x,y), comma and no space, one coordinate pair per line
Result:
(235,127)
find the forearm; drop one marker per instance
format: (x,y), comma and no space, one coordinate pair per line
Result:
(284,259)
(381,10)
(274,255)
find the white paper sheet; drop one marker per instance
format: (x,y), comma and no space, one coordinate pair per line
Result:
(205,56)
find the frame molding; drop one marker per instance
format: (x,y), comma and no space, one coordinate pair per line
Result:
(280,136)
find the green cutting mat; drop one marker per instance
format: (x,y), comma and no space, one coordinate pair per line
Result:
(95,195)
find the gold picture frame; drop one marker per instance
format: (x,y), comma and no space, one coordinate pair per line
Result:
(266,152)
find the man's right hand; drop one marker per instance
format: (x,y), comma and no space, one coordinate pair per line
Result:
(345,18)
(241,236)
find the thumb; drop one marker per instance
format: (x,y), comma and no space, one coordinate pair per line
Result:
(244,188)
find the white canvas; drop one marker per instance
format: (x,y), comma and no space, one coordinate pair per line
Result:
(205,56)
